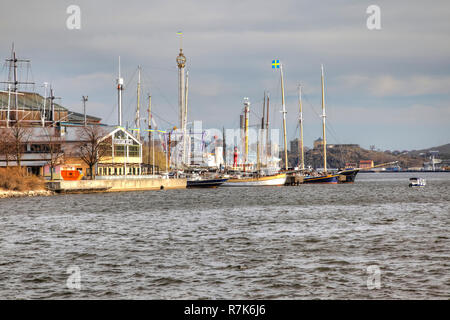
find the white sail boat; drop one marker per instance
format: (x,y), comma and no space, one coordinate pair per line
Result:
(258,179)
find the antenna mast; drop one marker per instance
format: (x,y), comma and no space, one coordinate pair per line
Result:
(119,95)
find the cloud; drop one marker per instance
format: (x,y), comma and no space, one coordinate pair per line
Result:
(388,85)
(415,115)
(229,46)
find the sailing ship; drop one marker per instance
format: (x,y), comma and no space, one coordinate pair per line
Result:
(325,177)
(258,178)
(348,175)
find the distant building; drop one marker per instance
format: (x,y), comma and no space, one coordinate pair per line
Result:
(351,165)
(346,145)
(318,143)
(295,146)
(366,164)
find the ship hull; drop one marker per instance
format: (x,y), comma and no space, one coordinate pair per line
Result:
(350,176)
(330,179)
(207,183)
(277,180)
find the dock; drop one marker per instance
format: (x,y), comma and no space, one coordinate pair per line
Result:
(87,186)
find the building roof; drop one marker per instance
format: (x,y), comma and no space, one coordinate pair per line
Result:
(79,118)
(71,132)
(30,101)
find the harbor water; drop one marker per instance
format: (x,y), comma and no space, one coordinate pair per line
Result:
(374,239)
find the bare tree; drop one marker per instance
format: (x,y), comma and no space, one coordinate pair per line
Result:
(53,145)
(6,145)
(20,136)
(91,148)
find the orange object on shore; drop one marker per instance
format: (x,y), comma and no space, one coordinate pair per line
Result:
(71,175)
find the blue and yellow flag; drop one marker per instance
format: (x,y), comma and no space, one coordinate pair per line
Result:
(275,64)
(180,32)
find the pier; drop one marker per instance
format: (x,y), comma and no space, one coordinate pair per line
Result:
(81,186)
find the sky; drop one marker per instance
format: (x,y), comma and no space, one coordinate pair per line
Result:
(389,88)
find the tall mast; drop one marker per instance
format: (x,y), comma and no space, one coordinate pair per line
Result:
(150,140)
(264,111)
(284,119)
(137,120)
(246,115)
(12,62)
(45,100)
(8,117)
(14,59)
(258,157)
(52,105)
(267,129)
(185,154)
(119,96)
(224,148)
(300,119)
(323,126)
(85,98)
(181,63)
(262,125)
(9,105)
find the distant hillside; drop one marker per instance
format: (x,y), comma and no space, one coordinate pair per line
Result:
(444,151)
(337,157)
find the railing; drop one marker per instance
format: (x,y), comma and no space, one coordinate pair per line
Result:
(147,176)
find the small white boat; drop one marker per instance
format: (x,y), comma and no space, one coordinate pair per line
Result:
(417,182)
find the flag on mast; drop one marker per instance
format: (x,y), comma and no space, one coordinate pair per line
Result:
(275,64)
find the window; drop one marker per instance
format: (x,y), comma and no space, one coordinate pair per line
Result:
(133,151)
(119,150)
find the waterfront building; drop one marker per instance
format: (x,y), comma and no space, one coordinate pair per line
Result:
(59,147)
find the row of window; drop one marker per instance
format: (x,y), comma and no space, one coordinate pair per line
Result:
(118,171)
(120,151)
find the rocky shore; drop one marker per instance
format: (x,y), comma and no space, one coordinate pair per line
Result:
(31,193)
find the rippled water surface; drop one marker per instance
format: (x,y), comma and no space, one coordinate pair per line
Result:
(305,242)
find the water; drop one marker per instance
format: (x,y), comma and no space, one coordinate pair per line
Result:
(306,242)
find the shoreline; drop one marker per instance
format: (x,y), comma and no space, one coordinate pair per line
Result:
(4,194)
